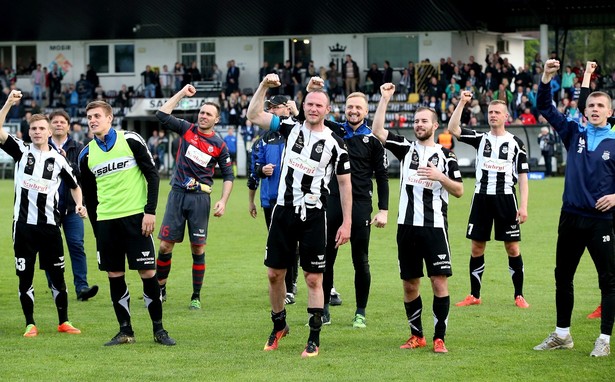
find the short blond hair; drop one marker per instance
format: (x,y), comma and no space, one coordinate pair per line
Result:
(39,117)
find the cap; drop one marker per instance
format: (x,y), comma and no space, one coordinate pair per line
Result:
(275,101)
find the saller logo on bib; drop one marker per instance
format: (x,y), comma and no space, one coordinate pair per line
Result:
(112,166)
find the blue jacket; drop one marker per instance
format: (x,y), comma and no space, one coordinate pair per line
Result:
(268,149)
(590,164)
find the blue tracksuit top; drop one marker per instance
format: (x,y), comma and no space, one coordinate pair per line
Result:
(268,149)
(590,164)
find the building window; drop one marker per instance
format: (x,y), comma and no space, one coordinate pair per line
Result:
(22,58)
(124,58)
(112,59)
(203,53)
(398,50)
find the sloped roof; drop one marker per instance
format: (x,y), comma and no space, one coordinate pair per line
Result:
(117,19)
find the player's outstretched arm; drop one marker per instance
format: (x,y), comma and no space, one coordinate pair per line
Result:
(386,90)
(187,91)
(256,109)
(454,124)
(14,96)
(551,68)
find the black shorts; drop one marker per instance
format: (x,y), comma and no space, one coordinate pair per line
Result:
(182,207)
(493,210)
(287,229)
(44,239)
(118,239)
(415,244)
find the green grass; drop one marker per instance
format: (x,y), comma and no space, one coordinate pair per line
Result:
(224,341)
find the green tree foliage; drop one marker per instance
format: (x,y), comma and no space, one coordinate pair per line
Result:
(582,46)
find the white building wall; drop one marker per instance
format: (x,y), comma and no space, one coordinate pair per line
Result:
(434,45)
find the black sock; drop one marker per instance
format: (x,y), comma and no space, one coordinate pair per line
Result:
(279,320)
(413,313)
(120,297)
(315,323)
(60,296)
(477,267)
(198,273)
(163,265)
(515,265)
(26,297)
(441,306)
(151,296)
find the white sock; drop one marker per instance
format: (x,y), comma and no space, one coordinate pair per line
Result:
(605,337)
(562,332)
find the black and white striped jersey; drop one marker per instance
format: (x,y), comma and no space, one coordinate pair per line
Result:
(38,175)
(499,161)
(310,159)
(422,202)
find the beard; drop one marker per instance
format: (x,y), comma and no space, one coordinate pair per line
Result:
(424,136)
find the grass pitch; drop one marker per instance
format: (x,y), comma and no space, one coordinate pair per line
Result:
(224,341)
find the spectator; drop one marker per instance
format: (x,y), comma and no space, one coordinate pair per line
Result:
(191,74)
(152,144)
(77,132)
(286,78)
(122,100)
(38,82)
(55,83)
(568,82)
(24,127)
(166,81)
(445,138)
(297,77)
(453,89)
(216,74)
(263,71)
(161,150)
(149,82)
(91,77)
(178,75)
(333,81)
(387,75)
(527,118)
(231,144)
(232,77)
(158,88)
(350,75)
(249,133)
(546,140)
(73,101)
(84,91)
(406,81)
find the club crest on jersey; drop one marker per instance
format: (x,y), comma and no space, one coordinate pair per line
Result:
(504,150)
(434,160)
(299,142)
(415,159)
(365,139)
(319,147)
(30,160)
(210,149)
(581,145)
(50,166)
(606,155)
(487,149)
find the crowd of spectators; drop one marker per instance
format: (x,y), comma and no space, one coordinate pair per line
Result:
(422,84)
